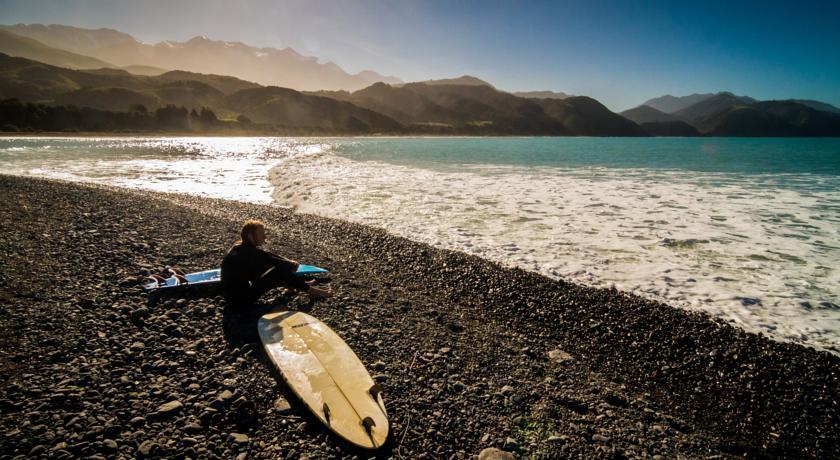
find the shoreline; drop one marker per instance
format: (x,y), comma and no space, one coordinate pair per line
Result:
(471,354)
(101,134)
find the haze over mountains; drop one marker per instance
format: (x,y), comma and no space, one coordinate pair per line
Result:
(115,76)
(266,66)
(410,108)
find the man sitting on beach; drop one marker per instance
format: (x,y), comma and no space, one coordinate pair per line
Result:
(248,272)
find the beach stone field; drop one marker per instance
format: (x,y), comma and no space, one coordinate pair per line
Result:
(476,360)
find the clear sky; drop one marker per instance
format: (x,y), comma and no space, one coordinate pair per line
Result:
(620,52)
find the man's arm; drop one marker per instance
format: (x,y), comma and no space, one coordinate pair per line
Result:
(280,262)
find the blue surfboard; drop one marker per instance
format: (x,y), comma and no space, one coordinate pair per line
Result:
(215,276)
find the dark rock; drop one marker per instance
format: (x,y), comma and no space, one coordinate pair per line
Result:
(239,438)
(558,355)
(112,431)
(282,406)
(148,449)
(456,327)
(109,445)
(511,444)
(600,438)
(168,409)
(139,313)
(556,439)
(137,421)
(192,428)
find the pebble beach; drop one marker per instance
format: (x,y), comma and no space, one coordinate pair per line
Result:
(476,360)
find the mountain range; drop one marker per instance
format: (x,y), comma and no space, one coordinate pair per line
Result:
(408,108)
(111,72)
(266,66)
(725,114)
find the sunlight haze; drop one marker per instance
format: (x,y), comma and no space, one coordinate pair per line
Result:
(620,53)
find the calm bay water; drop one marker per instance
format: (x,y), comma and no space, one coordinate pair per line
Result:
(745,229)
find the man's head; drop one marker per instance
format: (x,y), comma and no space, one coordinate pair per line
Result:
(253,232)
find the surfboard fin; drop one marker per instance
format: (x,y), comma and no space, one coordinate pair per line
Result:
(181,279)
(368,423)
(157,279)
(375,391)
(327,412)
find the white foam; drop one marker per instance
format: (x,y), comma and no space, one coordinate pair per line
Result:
(221,167)
(736,247)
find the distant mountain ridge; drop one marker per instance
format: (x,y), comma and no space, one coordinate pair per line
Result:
(648,114)
(711,105)
(436,108)
(659,123)
(671,104)
(267,66)
(15,45)
(585,116)
(541,94)
(725,114)
(442,108)
(817,105)
(773,119)
(464,80)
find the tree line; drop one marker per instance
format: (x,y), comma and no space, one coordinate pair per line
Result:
(17,116)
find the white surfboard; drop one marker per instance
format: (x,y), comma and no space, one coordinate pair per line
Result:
(326,375)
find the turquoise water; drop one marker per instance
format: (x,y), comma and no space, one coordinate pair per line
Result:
(744,229)
(723,155)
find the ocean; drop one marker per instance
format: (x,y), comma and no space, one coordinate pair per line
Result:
(744,229)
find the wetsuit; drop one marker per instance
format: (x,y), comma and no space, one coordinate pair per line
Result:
(249,272)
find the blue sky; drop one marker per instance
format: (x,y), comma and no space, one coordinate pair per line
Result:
(620,52)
